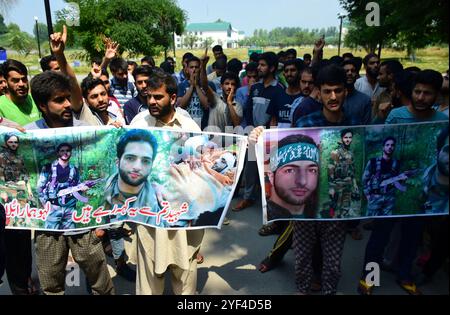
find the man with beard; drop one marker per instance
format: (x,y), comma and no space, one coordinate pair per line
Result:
(382,105)
(14,183)
(356,103)
(381,203)
(54,177)
(341,175)
(136,151)
(17,104)
(308,102)
(368,84)
(426,87)
(139,103)
(57,97)
(96,97)
(294,177)
(292,71)
(160,251)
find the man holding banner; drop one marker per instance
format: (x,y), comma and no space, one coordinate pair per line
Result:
(56,98)
(158,250)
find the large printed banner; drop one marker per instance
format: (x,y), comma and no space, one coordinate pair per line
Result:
(68,179)
(355,172)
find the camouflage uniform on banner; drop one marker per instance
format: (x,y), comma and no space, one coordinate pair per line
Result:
(13,178)
(51,182)
(341,180)
(381,200)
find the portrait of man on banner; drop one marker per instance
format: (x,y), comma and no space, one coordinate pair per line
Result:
(294,177)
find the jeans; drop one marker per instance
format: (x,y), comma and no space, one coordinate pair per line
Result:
(117,242)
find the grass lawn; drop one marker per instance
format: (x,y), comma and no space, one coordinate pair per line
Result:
(429,58)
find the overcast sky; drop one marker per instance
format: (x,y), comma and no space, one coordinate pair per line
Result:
(245,15)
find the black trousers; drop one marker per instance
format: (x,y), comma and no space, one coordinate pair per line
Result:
(18,260)
(438,228)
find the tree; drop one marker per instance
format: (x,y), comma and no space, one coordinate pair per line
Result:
(140,27)
(190,40)
(413,24)
(17,40)
(3,27)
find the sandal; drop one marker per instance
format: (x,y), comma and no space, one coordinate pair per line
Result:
(364,288)
(409,287)
(268,229)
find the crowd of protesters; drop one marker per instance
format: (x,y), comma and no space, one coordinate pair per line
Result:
(271,90)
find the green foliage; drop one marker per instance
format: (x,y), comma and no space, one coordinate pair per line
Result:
(404,23)
(17,40)
(3,27)
(330,139)
(412,152)
(43,32)
(290,36)
(140,27)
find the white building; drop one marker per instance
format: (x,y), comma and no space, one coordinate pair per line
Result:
(217,33)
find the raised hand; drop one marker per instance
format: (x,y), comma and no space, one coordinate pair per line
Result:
(319,44)
(111,49)
(58,41)
(205,58)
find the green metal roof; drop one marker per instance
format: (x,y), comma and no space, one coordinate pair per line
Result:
(208,27)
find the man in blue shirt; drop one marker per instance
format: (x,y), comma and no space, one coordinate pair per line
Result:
(265,96)
(424,95)
(356,104)
(332,113)
(261,110)
(139,103)
(307,103)
(182,75)
(292,70)
(191,95)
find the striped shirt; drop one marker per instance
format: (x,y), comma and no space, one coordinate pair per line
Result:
(123,93)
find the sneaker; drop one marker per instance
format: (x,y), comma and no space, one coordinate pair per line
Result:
(226,221)
(410,287)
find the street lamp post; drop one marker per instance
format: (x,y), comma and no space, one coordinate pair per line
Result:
(37,36)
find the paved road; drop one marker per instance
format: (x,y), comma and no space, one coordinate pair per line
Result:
(233,253)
